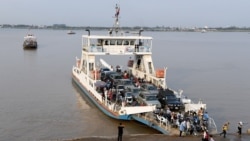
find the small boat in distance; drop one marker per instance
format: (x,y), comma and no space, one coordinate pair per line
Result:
(203,31)
(71,32)
(30,42)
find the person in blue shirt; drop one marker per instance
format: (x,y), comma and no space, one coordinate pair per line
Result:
(205,119)
(205,116)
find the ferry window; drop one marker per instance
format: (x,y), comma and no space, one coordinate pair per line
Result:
(106,42)
(91,66)
(132,42)
(140,43)
(93,42)
(112,42)
(126,43)
(147,42)
(119,42)
(99,42)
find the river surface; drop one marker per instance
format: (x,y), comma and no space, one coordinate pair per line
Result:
(38,100)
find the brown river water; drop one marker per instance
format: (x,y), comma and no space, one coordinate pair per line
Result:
(38,100)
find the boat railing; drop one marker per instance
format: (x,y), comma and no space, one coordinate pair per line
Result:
(212,126)
(112,106)
(144,49)
(155,119)
(163,122)
(156,80)
(95,48)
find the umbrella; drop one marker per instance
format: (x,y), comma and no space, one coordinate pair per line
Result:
(100,84)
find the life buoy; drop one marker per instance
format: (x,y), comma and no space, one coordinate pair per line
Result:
(122,112)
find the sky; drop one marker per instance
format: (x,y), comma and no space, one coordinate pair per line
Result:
(151,13)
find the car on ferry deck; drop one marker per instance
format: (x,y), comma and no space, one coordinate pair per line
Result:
(148,99)
(103,69)
(134,90)
(114,77)
(105,75)
(169,99)
(149,87)
(125,82)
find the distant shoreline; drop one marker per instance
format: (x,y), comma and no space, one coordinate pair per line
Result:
(128,29)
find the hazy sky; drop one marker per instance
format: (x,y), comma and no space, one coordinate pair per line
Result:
(184,13)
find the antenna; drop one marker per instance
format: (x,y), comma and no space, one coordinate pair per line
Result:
(116,26)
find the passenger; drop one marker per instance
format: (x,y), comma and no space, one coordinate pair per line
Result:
(188,126)
(205,119)
(110,94)
(103,94)
(182,127)
(180,117)
(106,94)
(205,116)
(195,119)
(118,69)
(108,84)
(142,80)
(225,127)
(211,138)
(111,69)
(205,136)
(191,131)
(173,119)
(120,132)
(240,124)
(200,114)
(137,84)
(125,75)
(168,114)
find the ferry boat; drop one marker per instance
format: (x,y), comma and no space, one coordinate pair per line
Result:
(97,79)
(30,42)
(70,32)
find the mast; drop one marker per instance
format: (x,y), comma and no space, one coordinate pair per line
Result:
(116,26)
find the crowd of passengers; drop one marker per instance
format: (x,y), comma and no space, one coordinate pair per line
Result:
(192,122)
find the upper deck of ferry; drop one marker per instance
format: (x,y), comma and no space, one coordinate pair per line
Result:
(116,45)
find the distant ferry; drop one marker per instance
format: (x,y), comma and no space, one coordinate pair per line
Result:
(30,42)
(127,94)
(71,32)
(203,31)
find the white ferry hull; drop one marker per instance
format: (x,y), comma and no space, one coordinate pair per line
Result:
(97,103)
